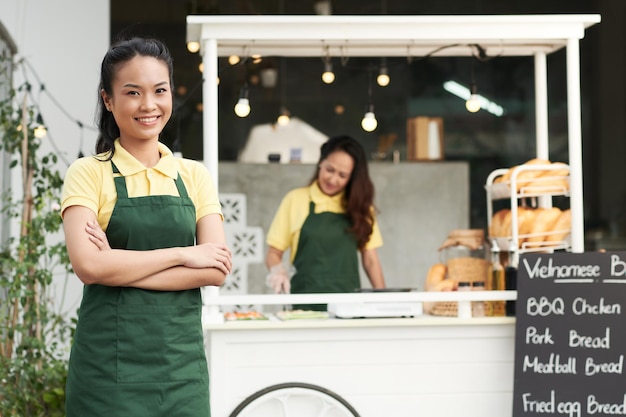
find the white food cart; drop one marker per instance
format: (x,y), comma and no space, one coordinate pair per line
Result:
(430,366)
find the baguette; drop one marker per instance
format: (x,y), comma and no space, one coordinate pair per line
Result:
(544,222)
(562,227)
(555,180)
(525,221)
(496,223)
(524,178)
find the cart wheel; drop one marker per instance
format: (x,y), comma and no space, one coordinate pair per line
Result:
(294,399)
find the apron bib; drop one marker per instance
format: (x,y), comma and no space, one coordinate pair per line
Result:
(140,353)
(326,259)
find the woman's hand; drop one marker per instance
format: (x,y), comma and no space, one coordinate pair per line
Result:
(97,236)
(209,255)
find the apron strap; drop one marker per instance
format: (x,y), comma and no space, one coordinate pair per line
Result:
(180,185)
(120,182)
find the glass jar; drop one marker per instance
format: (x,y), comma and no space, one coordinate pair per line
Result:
(466,255)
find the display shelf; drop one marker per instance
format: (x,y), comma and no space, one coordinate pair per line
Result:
(523,185)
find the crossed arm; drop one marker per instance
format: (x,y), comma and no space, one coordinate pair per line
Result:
(170,269)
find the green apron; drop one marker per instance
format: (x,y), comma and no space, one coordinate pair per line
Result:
(326,259)
(140,353)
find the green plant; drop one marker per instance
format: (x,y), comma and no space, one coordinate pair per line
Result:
(33,337)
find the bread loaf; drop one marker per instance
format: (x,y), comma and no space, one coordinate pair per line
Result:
(525,177)
(436,274)
(497,221)
(552,180)
(545,219)
(525,221)
(562,227)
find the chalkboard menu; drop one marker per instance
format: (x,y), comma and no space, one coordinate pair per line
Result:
(570,338)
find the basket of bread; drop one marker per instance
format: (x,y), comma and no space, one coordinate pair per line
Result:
(537,228)
(534,177)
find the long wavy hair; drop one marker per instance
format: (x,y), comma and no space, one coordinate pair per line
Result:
(358,199)
(119,53)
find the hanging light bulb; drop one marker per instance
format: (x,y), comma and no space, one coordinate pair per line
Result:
(284,117)
(40,130)
(328,76)
(234,59)
(242,108)
(383,75)
(369,122)
(193,46)
(473,102)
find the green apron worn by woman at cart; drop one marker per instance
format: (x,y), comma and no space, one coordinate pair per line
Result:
(325,226)
(144,232)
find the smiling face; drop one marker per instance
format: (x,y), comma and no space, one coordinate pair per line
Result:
(141,99)
(334,172)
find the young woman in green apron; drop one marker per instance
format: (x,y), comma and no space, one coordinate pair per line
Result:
(144,232)
(325,226)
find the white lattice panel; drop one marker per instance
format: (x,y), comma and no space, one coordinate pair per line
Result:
(234,209)
(237,281)
(246,243)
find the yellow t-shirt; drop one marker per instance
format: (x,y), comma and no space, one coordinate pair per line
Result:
(284,232)
(89,182)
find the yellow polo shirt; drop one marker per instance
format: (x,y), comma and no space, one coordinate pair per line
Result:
(284,232)
(89,182)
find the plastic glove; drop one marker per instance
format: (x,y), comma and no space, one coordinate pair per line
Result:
(279,278)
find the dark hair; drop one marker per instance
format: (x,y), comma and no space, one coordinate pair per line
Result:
(119,53)
(358,199)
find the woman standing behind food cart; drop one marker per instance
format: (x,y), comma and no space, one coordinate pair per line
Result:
(325,225)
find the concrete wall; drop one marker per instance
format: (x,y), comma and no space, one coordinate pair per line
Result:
(419,204)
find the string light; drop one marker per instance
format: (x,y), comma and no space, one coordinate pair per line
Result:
(242,108)
(284,117)
(328,76)
(40,130)
(473,102)
(369,122)
(193,46)
(383,78)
